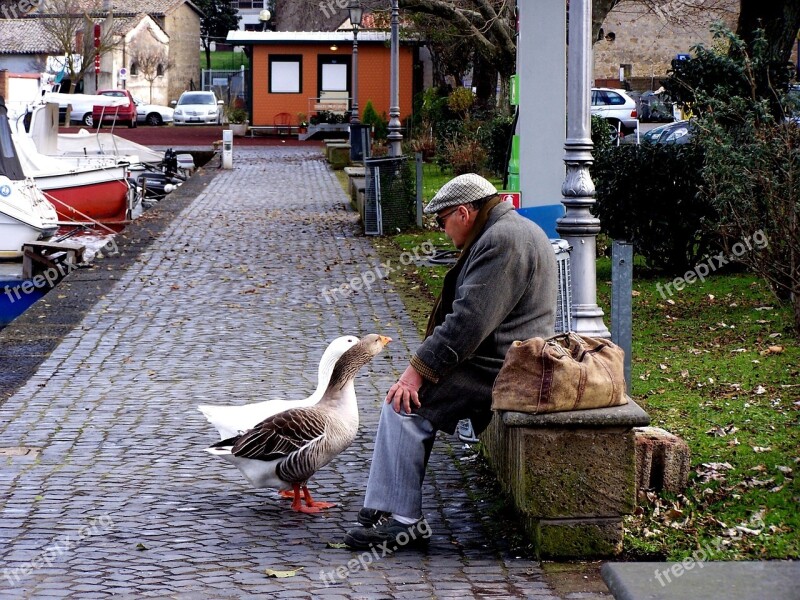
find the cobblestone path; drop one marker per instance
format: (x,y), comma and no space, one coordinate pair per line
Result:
(118,498)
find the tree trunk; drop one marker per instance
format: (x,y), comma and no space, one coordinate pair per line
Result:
(780,20)
(484,80)
(207,48)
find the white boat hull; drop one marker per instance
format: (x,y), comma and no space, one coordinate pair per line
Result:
(25,216)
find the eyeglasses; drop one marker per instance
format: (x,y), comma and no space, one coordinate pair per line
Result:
(440,219)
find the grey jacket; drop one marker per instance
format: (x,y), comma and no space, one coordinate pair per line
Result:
(506,291)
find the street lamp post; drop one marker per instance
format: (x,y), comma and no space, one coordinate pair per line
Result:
(395,137)
(356,14)
(578,226)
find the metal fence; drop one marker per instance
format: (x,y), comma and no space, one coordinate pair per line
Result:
(230,86)
(390,195)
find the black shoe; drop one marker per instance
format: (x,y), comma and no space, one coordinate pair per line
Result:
(370,516)
(389,536)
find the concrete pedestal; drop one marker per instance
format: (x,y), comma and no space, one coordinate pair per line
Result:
(572,475)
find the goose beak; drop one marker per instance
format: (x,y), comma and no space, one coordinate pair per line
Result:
(384,339)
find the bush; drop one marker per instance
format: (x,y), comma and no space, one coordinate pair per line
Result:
(650,195)
(380,125)
(460,100)
(464,156)
(752,165)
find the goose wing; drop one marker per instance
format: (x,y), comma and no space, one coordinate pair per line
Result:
(281,435)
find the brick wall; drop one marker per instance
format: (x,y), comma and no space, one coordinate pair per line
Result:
(648,42)
(373,79)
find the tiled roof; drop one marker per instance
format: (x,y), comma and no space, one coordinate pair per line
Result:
(156,8)
(24,36)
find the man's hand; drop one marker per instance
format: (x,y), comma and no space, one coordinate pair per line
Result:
(404,392)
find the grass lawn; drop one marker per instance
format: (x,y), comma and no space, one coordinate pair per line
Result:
(716,364)
(225,60)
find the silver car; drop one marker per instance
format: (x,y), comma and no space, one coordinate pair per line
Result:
(616,107)
(201,108)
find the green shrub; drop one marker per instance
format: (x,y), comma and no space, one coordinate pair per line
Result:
(650,195)
(379,124)
(460,100)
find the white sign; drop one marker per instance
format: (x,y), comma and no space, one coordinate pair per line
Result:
(123,73)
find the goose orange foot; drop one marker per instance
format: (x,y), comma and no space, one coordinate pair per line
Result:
(311,505)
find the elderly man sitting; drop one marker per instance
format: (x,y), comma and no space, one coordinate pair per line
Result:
(502,288)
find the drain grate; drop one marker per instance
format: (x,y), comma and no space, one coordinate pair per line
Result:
(20,451)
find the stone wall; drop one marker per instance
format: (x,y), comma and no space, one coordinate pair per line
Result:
(647,41)
(183,27)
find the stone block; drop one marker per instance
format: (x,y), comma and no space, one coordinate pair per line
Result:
(567,538)
(357,185)
(663,460)
(339,155)
(561,475)
(572,475)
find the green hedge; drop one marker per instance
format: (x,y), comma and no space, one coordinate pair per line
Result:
(650,195)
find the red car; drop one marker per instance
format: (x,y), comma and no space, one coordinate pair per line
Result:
(125,114)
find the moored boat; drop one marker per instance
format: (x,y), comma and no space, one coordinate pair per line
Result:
(25,214)
(81,192)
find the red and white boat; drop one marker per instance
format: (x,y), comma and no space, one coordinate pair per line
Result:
(82,193)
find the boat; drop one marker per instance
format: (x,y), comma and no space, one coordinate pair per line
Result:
(82,191)
(85,145)
(25,214)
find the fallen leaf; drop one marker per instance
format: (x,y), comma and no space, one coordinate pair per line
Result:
(141,547)
(759,449)
(336,545)
(784,470)
(760,390)
(282,574)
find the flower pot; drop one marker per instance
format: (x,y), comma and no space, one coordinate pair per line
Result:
(238,129)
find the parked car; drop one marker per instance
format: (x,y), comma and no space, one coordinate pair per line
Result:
(616,107)
(198,107)
(152,114)
(679,132)
(115,114)
(80,110)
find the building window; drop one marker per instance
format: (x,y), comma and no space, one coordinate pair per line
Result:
(160,70)
(247,4)
(285,74)
(134,69)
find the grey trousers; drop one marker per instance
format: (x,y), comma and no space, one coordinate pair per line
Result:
(402,447)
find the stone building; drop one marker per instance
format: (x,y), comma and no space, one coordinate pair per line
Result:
(180,21)
(173,24)
(641,44)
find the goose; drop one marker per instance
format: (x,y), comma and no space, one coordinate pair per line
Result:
(231,421)
(286,449)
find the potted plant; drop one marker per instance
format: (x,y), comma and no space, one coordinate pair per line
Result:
(237,120)
(302,121)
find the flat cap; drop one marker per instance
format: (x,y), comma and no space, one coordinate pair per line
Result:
(460,190)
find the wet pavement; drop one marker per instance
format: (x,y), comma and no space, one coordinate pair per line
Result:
(217,296)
